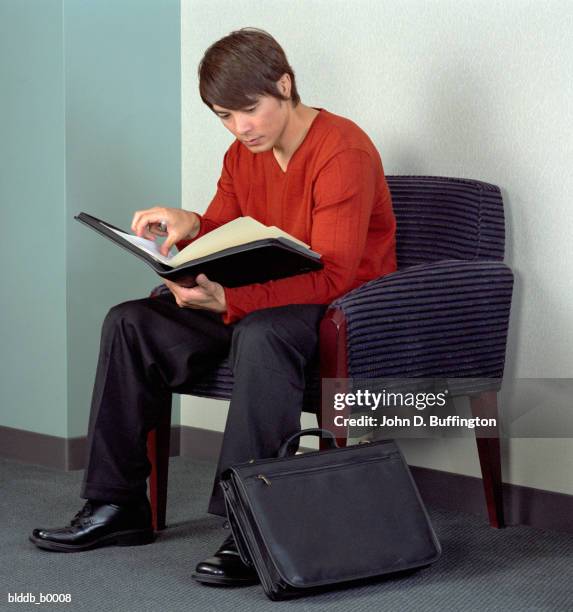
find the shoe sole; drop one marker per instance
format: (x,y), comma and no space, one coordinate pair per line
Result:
(121,538)
(224,581)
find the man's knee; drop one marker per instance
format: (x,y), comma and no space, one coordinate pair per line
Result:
(263,332)
(263,327)
(133,313)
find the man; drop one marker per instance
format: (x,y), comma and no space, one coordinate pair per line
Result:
(308,171)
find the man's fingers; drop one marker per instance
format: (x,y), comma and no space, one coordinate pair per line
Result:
(204,282)
(167,244)
(198,297)
(136,223)
(143,218)
(190,294)
(141,226)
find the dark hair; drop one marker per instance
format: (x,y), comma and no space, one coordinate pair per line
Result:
(241,66)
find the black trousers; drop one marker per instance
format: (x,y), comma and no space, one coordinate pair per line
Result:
(151,348)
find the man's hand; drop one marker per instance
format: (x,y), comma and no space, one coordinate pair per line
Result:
(180,224)
(208,295)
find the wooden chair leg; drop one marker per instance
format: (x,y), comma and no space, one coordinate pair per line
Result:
(333,364)
(158,453)
(489,451)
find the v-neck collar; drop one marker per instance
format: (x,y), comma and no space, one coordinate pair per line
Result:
(306,137)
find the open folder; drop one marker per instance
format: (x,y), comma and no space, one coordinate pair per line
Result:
(241,252)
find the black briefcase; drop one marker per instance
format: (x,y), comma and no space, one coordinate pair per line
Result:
(310,521)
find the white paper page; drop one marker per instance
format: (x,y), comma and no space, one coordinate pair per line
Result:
(149,246)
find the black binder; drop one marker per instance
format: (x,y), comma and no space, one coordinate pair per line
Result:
(254,262)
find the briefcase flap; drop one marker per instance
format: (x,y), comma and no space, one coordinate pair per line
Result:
(337,515)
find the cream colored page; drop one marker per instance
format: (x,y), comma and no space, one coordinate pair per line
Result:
(236,232)
(278,233)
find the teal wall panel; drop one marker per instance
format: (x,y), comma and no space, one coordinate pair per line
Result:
(123,133)
(90,120)
(32,200)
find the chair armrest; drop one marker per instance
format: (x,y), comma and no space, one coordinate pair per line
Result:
(447,318)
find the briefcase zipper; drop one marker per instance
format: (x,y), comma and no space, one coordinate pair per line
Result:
(267,480)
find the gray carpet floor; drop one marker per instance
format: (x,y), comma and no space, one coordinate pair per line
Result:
(517,568)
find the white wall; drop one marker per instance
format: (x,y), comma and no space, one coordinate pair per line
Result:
(477,89)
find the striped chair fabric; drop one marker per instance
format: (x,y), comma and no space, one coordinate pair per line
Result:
(444,313)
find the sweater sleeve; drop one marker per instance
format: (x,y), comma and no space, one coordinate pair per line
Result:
(224,207)
(343,197)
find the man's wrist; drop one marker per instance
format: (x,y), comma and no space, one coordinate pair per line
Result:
(193,233)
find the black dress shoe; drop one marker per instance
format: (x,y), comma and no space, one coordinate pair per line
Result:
(226,567)
(100,524)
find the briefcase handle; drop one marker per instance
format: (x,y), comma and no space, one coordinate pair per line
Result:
(313,431)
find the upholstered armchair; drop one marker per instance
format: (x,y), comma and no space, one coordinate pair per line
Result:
(443,315)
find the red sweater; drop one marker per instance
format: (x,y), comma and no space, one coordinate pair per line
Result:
(332,196)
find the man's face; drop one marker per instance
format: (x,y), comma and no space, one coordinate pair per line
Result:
(259,126)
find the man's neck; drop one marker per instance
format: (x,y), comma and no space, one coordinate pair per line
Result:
(298,124)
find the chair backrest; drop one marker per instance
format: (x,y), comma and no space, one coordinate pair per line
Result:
(446,218)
